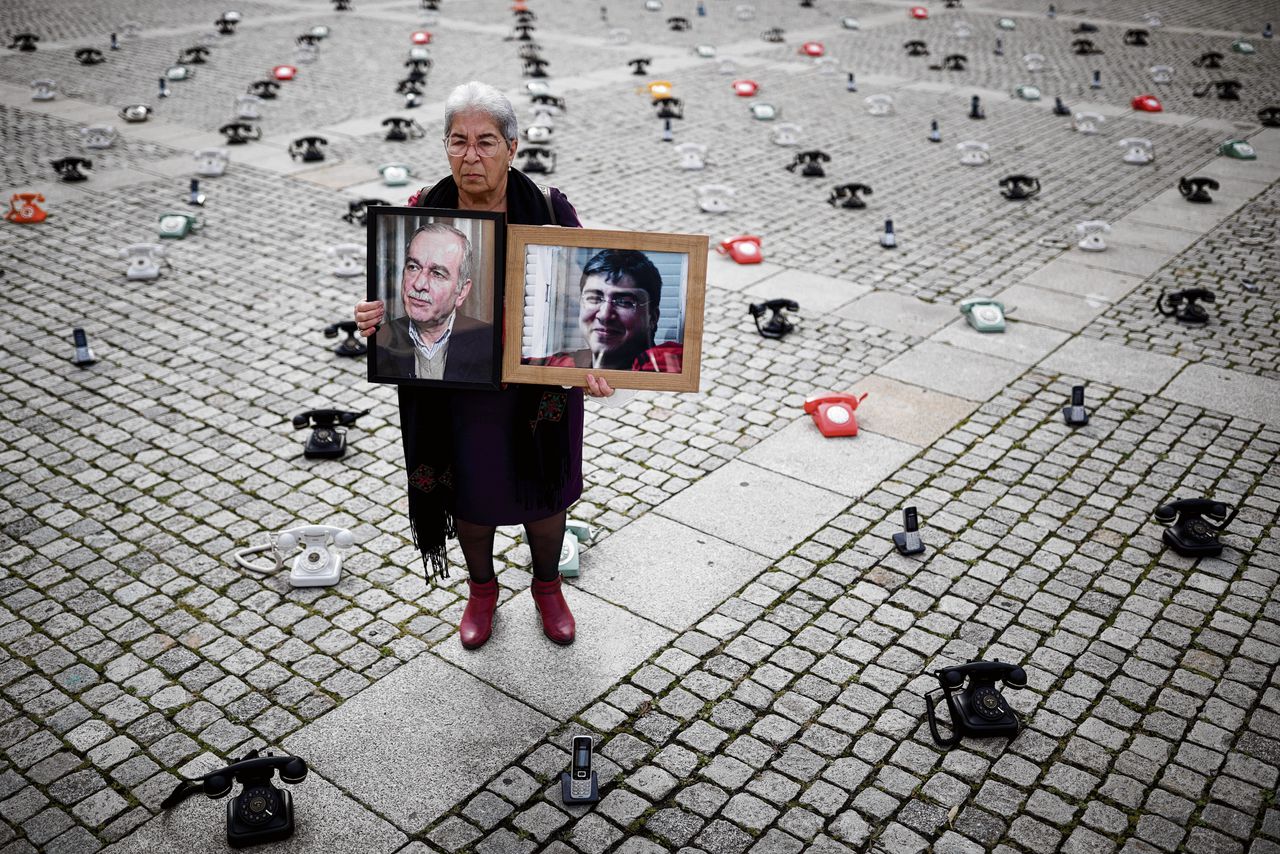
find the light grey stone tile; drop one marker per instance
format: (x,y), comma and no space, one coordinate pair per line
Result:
(1071,275)
(724,272)
(1224,390)
(1069,312)
(963,373)
(815,293)
(900,313)
(1114,364)
(848,465)
(908,413)
(1021,342)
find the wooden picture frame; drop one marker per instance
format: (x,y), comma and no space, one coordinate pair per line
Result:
(401,351)
(636,320)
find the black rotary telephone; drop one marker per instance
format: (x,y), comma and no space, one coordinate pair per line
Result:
(640,65)
(773,35)
(916,48)
(308,148)
(1136,38)
(669,108)
(1189,533)
(846,196)
(238,133)
(1269,117)
(310,39)
(538,161)
(1212,59)
(264,89)
(951,62)
(524,31)
(24,42)
(358,211)
(400,129)
(226,26)
(326,441)
(1228,90)
(350,346)
(533,50)
(1197,189)
(193,55)
(811,161)
(978,709)
(1184,306)
(342,5)
(419,68)
(678,25)
(549,101)
(1085,47)
(89,56)
(69,168)
(778,325)
(535,67)
(261,812)
(1018,187)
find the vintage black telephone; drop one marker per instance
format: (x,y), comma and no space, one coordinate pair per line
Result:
(418,69)
(532,50)
(524,31)
(811,161)
(89,56)
(342,5)
(535,67)
(678,24)
(226,26)
(350,346)
(1189,533)
(778,325)
(193,55)
(1212,59)
(24,42)
(308,39)
(265,89)
(640,65)
(847,196)
(772,35)
(979,709)
(1018,187)
(669,108)
(1197,189)
(1228,90)
(1184,306)
(1085,47)
(410,89)
(541,161)
(522,16)
(358,211)
(261,812)
(951,62)
(69,168)
(916,48)
(308,148)
(400,129)
(1269,117)
(238,133)
(326,441)
(546,100)
(1136,38)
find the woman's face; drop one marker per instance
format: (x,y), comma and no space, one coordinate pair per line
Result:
(476,175)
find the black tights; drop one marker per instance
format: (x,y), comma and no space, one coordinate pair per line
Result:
(544,536)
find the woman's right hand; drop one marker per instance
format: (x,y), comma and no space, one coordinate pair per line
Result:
(368,316)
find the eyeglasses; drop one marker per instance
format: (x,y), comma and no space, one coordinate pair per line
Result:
(486,146)
(622,303)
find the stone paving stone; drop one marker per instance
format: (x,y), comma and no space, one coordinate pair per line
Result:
(1113,364)
(900,313)
(951,371)
(1070,275)
(848,466)
(1242,396)
(1021,342)
(815,293)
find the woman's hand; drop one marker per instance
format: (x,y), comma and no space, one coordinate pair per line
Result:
(598,386)
(369,315)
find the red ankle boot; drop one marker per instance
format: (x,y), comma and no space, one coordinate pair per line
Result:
(477,619)
(557,622)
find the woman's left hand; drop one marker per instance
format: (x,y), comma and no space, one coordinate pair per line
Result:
(598,386)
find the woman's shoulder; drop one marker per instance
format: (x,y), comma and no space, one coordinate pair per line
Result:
(566,214)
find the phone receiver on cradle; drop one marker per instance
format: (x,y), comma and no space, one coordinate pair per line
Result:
(261,812)
(778,325)
(834,413)
(576,533)
(1194,525)
(326,441)
(1184,306)
(977,708)
(744,249)
(349,347)
(319,564)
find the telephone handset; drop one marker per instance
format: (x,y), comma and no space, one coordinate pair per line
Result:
(778,325)
(326,441)
(847,196)
(1018,187)
(319,565)
(308,148)
(833,413)
(1197,189)
(745,249)
(978,710)
(261,812)
(1189,533)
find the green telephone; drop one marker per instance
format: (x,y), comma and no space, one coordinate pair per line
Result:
(983,314)
(575,533)
(176,225)
(1239,149)
(1027,93)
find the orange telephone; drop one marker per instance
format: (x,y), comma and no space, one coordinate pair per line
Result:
(23,208)
(833,413)
(745,249)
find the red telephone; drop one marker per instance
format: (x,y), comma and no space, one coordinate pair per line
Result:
(745,88)
(813,49)
(23,208)
(745,249)
(919,13)
(1147,104)
(833,413)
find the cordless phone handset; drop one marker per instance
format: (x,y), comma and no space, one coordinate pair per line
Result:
(580,785)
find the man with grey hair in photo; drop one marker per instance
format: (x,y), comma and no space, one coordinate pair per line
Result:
(434,340)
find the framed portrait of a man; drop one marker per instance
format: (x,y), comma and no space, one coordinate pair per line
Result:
(440,275)
(626,306)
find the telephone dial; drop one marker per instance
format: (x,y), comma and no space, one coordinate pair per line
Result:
(834,413)
(1138,151)
(24,210)
(744,249)
(350,347)
(358,210)
(1147,104)
(669,108)
(400,129)
(984,314)
(1019,187)
(1211,60)
(98,136)
(692,155)
(68,168)
(238,133)
(1269,117)
(264,89)
(1238,149)
(811,161)
(1197,189)
(193,55)
(261,812)
(1091,233)
(580,785)
(907,541)
(1075,414)
(1027,93)
(786,133)
(1087,123)
(915,47)
(176,225)
(879,105)
(327,441)
(395,174)
(778,325)
(678,24)
(1184,306)
(1136,38)
(537,161)
(348,257)
(319,564)
(90,56)
(1228,90)
(978,709)
(773,35)
(1161,73)
(848,196)
(1194,525)
(25,42)
(745,88)
(1085,47)
(308,148)
(144,260)
(764,112)
(45,90)
(951,62)
(715,198)
(247,107)
(974,153)
(211,162)
(575,534)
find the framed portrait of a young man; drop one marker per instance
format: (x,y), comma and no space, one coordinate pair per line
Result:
(626,306)
(440,275)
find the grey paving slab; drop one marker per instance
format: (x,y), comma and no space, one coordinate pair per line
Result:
(1140,261)
(950,370)
(1069,274)
(899,312)
(908,413)
(1022,341)
(384,745)
(1114,364)
(1170,210)
(325,820)
(665,571)
(1246,173)
(1069,312)
(1130,232)
(114,179)
(724,272)
(610,642)
(761,510)
(814,292)
(1231,392)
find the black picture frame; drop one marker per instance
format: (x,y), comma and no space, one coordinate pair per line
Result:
(473,356)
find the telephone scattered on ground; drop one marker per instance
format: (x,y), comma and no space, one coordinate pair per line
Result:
(395,174)
(692,155)
(983,314)
(1076,415)
(327,441)
(973,153)
(1238,149)
(907,541)
(349,346)
(84,355)
(144,260)
(811,163)
(1194,525)
(1091,233)
(834,413)
(1184,306)
(1019,187)
(98,136)
(744,249)
(575,534)
(787,133)
(261,812)
(68,168)
(358,211)
(715,198)
(879,105)
(319,564)
(580,785)
(849,196)
(176,225)
(979,709)
(1088,123)
(778,325)
(764,112)
(308,148)
(239,133)
(23,208)
(1147,104)
(211,162)
(1197,189)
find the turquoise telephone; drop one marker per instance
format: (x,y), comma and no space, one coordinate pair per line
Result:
(575,534)
(984,314)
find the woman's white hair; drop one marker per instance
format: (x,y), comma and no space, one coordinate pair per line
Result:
(485,98)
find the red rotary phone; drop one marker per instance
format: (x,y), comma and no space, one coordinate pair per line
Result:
(23,208)
(745,249)
(745,88)
(813,49)
(1147,104)
(833,413)
(918,12)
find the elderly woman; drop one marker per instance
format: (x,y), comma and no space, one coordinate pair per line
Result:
(479,459)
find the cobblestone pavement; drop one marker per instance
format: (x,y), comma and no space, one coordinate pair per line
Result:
(752,653)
